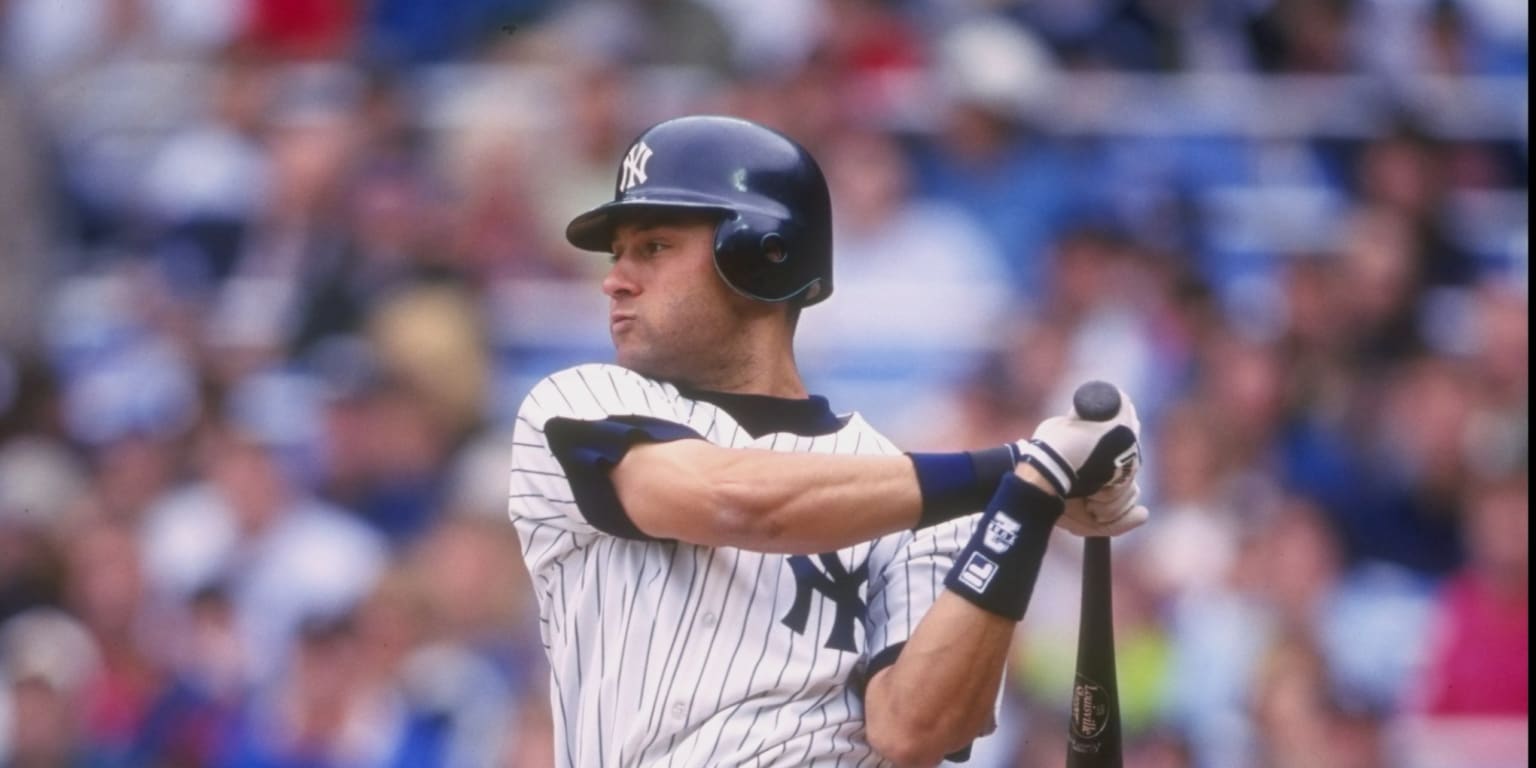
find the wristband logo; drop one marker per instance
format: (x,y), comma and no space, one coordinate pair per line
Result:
(978,572)
(1002,532)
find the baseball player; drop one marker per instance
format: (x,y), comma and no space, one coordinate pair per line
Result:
(729,572)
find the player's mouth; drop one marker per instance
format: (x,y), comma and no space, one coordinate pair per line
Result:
(618,322)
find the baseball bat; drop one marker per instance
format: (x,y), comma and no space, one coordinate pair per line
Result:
(1093,739)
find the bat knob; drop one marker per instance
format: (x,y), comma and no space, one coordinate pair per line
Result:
(1096,401)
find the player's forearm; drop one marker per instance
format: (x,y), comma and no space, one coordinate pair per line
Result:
(795,503)
(940,693)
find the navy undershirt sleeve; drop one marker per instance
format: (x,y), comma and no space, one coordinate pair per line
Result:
(589,450)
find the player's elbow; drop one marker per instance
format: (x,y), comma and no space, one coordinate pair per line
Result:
(910,733)
(692,492)
(909,748)
(740,519)
(724,517)
(742,512)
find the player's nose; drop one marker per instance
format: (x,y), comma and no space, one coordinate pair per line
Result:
(619,282)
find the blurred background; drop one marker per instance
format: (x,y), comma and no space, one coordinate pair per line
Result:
(276,274)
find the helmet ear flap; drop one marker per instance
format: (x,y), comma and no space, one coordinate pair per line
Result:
(753,254)
(773,248)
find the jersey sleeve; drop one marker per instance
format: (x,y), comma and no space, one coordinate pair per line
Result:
(572,429)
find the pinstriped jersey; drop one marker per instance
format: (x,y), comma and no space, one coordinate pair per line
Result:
(664,653)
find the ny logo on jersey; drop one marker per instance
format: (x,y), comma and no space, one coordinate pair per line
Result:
(835,583)
(633,171)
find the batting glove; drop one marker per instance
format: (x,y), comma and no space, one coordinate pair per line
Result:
(1110,512)
(1079,457)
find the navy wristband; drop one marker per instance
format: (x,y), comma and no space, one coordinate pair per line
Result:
(997,570)
(959,484)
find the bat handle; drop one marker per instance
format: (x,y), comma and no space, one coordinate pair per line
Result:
(1096,401)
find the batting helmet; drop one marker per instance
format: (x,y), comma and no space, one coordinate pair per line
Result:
(774,239)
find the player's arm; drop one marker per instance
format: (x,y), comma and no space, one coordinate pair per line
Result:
(628,464)
(935,693)
(939,693)
(767,501)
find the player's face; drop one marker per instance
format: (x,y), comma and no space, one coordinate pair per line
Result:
(670,315)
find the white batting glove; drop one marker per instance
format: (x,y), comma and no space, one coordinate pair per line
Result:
(1110,512)
(1080,456)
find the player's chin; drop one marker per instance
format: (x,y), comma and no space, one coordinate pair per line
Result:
(629,353)
(623,337)
(644,360)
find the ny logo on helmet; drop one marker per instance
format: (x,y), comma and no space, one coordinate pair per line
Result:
(633,172)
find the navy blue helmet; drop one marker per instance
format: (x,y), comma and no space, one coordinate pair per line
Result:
(774,239)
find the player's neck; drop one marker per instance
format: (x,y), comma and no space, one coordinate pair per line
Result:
(771,371)
(786,384)
(773,382)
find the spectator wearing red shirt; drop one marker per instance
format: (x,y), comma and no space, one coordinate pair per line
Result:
(1479,659)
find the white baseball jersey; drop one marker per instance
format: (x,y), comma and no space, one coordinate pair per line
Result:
(670,654)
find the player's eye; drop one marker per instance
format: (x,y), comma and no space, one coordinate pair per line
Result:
(644,248)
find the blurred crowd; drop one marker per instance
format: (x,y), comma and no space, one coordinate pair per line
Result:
(276,274)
